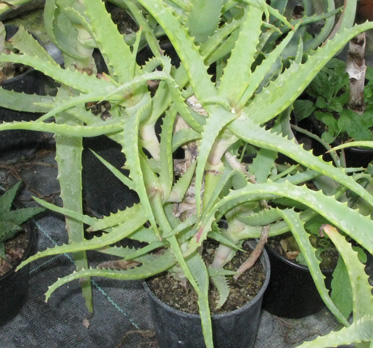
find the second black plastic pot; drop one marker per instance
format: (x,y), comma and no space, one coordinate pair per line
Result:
(14,285)
(230,330)
(16,144)
(291,292)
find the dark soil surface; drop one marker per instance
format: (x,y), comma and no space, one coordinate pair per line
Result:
(170,291)
(286,246)
(14,250)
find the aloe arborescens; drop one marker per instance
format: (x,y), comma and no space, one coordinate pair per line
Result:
(257,79)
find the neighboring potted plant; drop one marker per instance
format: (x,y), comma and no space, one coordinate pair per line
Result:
(16,240)
(336,112)
(189,177)
(360,332)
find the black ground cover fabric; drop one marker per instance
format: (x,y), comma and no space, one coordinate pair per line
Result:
(121,317)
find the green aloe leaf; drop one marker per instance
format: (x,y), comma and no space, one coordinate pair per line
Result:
(357,226)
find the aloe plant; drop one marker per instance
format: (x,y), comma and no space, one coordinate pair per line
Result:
(212,121)
(11,219)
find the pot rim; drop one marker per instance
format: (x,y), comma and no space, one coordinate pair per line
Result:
(264,259)
(296,265)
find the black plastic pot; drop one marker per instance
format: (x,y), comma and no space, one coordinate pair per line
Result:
(230,330)
(355,156)
(291,292)
(20,143)
(14,285)
(358,156)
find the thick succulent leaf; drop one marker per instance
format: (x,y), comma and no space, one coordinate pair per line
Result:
(120,217)
(215,123)
(118,95)
(203,18)
(184,46)
(184,136)
(132,152)
(275,229)
(21,215)
(308,252)
(67,212)
(357,226)
(24,102)
(151,266)
(298,177)
(27,44)
(251,132)
(264,217)
(226,176)
(198,268)
(117,53)
(262,165)
(347,19)
(166,175)
(361,289)
(341,289)
(8,230)
(7,198)
(64,129)
(74,79)
(209,48)
(132,219)
(182,227)
(359,331)
(181,186)
(326,29)
(283,91)
(368,144)
(222,286)
(145,250)
(196,272)
(260,73)
(69,160)
(238,69)
(62,22)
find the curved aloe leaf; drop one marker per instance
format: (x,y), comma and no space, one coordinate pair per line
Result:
(199,271)
(361,289)
(308,251)
(368,144)
(74,79)
(24,102)
(238,69)
(186,49)
(203,18)
(151,265)
(357,226)
(131,220)
(117,53)
(218,119)
(27,44)
(282,92)
(64,129)
(358,332)
(132,152)
(251,132)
